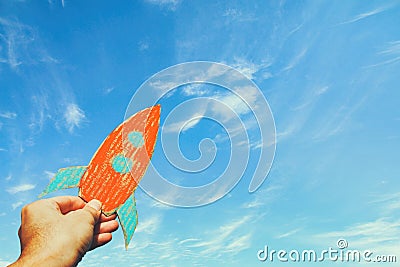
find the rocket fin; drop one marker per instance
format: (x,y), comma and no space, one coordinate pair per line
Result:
(65,178)
(128,218)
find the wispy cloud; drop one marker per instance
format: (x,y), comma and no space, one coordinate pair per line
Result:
(49,174)
(108,90)
(74,116)
(235,102)
(302,111)
(287,234)
(188,240)
(41,112)
(8,115)
(225,240)
(17,39)
(149,225)
(184,124)
(391,48)
(296,59)
(236,15)
(388,203)
(381,233)
(311,98)
(219,242)
(169,4)
(365,15)
(16,205)
(250,69)
(264,197)
(20,188)
(378,235)
(390,54)
(143,46)
(195,89)
(339,120)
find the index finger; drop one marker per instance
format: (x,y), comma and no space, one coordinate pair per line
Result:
(68,203)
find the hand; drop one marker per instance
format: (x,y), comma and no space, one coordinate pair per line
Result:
(59,231)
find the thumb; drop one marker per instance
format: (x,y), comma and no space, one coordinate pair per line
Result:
(94,208)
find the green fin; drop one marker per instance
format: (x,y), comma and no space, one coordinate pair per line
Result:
(128,218)
(65,178)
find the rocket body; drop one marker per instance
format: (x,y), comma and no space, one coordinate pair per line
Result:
(116,168)
(118,165)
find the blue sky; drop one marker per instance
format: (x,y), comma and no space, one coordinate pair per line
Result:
(330,73)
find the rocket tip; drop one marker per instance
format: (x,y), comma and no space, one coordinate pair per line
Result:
(157,108)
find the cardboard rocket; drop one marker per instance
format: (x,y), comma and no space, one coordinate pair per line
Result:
(116,168)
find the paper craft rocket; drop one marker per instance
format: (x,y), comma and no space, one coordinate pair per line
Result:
(116,168)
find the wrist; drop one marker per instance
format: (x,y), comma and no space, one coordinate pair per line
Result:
(38,260)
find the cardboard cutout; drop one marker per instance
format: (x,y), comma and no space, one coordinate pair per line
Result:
(116,168)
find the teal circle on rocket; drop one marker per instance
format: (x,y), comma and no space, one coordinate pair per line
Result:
(136,139)
(122,164)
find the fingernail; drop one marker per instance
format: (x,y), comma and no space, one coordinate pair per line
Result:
(94,203)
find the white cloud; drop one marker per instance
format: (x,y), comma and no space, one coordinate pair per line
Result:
(74,116)
(391,50)
(8,115)
(287,234)
(264,197)
(296,60)
(16,204)
(338,121)
(239,244)
(41,112)
(311,98)
(49,174)
(225,240)
(194,89)
(188,240)
(365,15)
(235,15)
(149,225)
(169,4)
(143,46)
(388,203)
(379,235)
(20,188)
(250,69)
(215,243)
(108,90)
(235,100)
(163,86)
(185,124)
(17,38)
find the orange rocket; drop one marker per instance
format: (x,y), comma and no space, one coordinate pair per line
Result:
(116,168)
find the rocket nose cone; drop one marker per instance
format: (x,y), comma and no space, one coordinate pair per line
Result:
(157,108)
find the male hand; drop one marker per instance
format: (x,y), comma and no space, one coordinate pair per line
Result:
(59,231)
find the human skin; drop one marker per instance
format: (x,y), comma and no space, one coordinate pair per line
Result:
(59,231)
